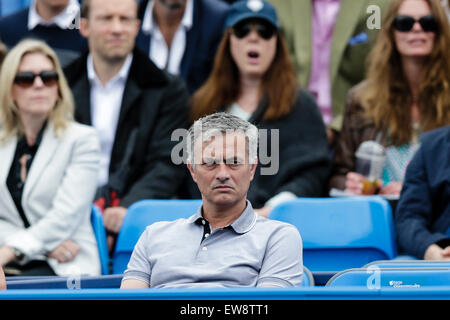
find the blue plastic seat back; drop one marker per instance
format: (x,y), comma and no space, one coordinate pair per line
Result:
(391,278)
(142,214)
(389,264)
(341,233)
(308,279)
(56,282)
(8,7)
(100,236)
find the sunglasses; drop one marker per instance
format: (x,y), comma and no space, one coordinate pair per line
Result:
(26,79)
(404,23)
(264,30)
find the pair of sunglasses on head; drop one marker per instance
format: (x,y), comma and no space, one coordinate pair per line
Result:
(264,29)
(405,23)
(26,79)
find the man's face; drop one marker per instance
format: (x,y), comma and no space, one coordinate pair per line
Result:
(222,170)
(111,28)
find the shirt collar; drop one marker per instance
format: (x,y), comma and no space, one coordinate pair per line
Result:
(241,225)
(63,20)
(149,26)
(121,76)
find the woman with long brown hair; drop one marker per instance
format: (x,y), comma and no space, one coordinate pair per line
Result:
(406,93)
(254,78)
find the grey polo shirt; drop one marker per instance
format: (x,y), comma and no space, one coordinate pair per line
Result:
(252,251)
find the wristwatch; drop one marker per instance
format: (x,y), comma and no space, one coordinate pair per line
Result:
(20,256)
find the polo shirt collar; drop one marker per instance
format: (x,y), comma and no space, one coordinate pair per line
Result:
(241,225)
(63,20)
(149,25)
(121,76)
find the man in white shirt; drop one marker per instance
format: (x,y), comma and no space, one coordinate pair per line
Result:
(53,21)
(181,36)
(134,106)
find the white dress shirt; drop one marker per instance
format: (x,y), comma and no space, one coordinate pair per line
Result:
(64,20)
(165,57)
(106,102)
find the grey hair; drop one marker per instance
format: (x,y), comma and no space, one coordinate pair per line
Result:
(222,122)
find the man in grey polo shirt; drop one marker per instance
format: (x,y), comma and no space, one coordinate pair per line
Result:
(224,244)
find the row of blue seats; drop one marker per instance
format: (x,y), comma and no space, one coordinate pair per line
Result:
(337,233)
(407,274)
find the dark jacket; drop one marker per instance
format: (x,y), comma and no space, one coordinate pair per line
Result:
(68,43)
(356,129)
(423,211)
(202,40)
(303,153)
(155,103)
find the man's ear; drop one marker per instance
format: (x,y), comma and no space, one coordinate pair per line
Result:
(191,170)
(84,27)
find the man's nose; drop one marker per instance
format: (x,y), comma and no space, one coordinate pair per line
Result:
(222,173)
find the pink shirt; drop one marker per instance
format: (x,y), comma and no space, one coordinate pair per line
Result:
(323,21)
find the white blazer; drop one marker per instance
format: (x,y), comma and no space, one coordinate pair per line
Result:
(57,198)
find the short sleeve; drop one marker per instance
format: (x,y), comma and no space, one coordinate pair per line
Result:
(283,263)
(139,267)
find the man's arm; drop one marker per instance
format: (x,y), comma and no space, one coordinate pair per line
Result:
(283,263)
(138,273)
(414,212)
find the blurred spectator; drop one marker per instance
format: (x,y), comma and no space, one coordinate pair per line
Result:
(254,78)
(406,93)
(182,36)
(133,105)
(329,40)
(53,21)
(48,170)
(423,211)
(225,243)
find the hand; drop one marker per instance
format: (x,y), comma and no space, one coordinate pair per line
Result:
(65,252)
(2,279)
(113,218)
(331,135)
(394,188)
(434,252)
(6,255)
(354,183)
(264,211)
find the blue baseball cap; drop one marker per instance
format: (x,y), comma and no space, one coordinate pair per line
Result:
(251,9)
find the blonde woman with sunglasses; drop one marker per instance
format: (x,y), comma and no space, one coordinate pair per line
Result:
(48,170)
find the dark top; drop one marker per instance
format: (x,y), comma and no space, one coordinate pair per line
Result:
(67,43)
(14,181)
(423,211)
(202,40)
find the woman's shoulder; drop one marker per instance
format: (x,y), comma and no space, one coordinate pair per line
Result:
(77,131)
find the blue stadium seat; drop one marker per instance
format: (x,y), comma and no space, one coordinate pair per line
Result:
(55,282)
(341,233)
(139,216)
(100,236)
(308,279)
(382,264)
(391,278)
(8,7)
